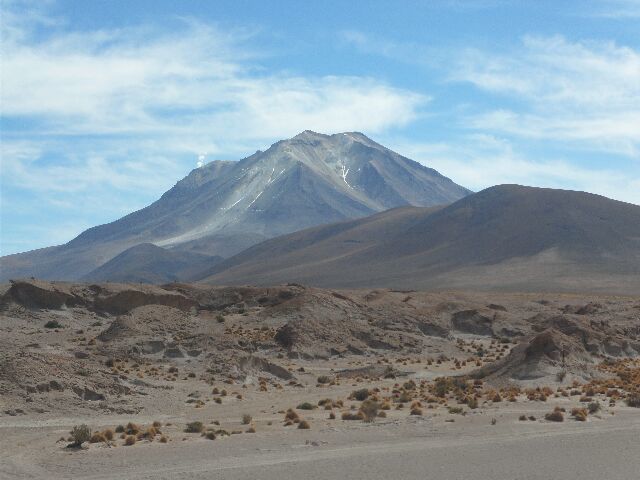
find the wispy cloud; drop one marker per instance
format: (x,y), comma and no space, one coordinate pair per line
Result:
(198,79)
(479,161)
(618,9)
(582,92)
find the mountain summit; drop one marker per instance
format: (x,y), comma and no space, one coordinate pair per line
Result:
(224,207)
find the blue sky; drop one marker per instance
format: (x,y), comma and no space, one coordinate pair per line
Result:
(106,104)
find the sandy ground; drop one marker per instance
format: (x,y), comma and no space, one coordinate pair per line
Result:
(420,448)
(436,445)
(42,370)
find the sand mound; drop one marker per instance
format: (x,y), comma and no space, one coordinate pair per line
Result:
(121,328)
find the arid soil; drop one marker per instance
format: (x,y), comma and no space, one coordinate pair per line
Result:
(405,384)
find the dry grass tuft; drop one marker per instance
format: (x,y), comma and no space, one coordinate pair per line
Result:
(369,410)
(132,429)
(97,437)
(291,415)
(580,414)
(352,416)
(555,416)
(304,425)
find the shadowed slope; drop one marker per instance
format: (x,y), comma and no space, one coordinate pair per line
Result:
(148,263)
(507,236)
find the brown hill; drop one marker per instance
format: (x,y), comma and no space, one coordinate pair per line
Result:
(506,237)
(148,263)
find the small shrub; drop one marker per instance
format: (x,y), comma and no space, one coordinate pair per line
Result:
(108,434)
(455,410)
(360,395)
(246,419)
(416,411)
(194,427)
(163,439)
(306,406)
(208,436)
(332,416)
(53,324)
(324,379)
(594,407)
(304,425)
(120,429)
(130,440)
(633,400)
(404,397)
(80,434)
(522,418)
(409,385)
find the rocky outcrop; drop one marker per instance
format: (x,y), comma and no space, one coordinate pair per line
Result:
(37,294)
(542,357)
(252,364)
(472,321)
(115,299)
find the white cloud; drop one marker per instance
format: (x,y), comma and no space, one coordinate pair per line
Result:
(197,80)
(584,92)
(479,161)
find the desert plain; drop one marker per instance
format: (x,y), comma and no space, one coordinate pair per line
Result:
(194,381)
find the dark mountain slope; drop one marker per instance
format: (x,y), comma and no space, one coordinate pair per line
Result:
(508,237)
(148,263)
